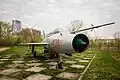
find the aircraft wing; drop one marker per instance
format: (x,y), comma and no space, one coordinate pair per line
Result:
(42,43)
(93,27)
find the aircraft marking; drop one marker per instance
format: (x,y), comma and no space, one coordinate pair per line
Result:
(56,44)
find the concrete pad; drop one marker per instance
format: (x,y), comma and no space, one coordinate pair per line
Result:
(77,66)
(51,60)
(77,59)
(7,78)
(38,77)
(33,61)
(9,71)
(4,59)
(66,75)
(54,67)
(7,56)
(35,69)
(34,64)
(86,58)
(15,65)
(52,63)
(21,59)
(70,62)
(83,60)
(18,62)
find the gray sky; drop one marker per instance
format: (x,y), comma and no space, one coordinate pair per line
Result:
(50,14)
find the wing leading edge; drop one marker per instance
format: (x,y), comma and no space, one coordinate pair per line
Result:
(93,27)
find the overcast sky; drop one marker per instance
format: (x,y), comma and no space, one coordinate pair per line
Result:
(50,14)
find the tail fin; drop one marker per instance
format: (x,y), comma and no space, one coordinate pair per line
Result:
(44,34)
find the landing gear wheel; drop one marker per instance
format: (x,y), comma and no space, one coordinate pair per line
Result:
(59,65)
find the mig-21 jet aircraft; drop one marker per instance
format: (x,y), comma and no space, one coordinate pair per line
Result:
(61,42)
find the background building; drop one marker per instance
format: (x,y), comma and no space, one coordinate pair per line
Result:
(16,26)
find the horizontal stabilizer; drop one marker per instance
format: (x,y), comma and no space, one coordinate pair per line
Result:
(37,44)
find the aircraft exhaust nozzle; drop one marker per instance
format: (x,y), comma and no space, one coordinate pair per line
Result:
(80,43)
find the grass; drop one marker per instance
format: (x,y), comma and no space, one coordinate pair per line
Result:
(103,67)
(21,74)
(21,52)
(14,50)
(116,56)
(51,72)
(74,70)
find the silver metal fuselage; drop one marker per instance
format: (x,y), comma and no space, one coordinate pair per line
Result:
(60,42)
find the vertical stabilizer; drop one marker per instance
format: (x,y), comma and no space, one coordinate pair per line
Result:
(43,33)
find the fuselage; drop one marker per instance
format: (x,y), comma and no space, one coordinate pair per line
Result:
(61,42)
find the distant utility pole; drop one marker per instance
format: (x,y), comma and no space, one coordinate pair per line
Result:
(108,45)
(117,37)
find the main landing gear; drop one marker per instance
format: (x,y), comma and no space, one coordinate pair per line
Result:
(59,64)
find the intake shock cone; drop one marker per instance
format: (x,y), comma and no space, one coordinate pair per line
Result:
(80,43)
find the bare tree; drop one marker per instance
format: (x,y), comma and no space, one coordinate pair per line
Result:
(5,29)
(76,25)
(31,35)
(5,33)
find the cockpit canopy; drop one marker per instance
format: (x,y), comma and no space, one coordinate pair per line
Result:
(58,30)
